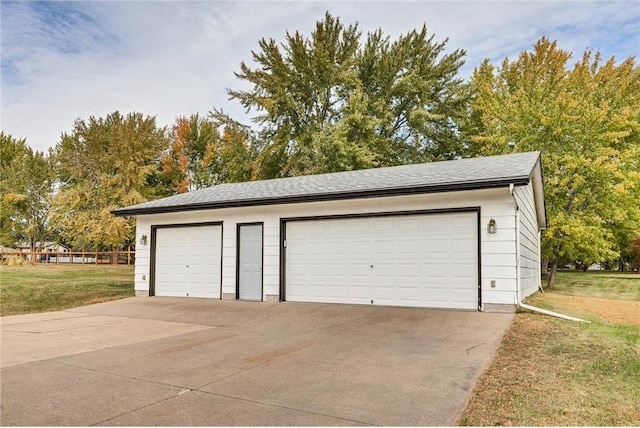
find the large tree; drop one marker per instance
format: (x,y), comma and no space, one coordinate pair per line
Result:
(199,156)
(585,120)
(105,163)
(25,190)
(337,101)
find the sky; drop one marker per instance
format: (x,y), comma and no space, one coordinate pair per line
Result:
(67,60)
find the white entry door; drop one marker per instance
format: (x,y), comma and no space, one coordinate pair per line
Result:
(425,260)
(188,261)
(250,262)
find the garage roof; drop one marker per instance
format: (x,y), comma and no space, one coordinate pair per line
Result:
(463,174)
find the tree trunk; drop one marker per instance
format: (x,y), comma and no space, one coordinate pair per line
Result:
(552,275)
(544,265)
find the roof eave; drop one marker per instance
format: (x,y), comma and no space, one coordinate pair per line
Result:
(437,188)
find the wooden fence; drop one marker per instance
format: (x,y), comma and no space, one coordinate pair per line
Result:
(121,257)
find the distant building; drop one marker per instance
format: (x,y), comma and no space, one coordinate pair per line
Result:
(47,246)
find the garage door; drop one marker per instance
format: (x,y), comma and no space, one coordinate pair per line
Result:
(188,261)
(426,260)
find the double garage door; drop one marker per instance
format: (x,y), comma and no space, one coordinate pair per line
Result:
(425,260)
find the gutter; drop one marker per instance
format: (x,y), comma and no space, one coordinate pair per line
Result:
(518,279)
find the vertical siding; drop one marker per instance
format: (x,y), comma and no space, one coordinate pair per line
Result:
(529,248)
(497,250)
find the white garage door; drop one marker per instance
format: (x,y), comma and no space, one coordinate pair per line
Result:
(188,261)
(427,260)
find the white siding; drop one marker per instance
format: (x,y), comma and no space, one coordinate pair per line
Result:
(497,250)
(529,248)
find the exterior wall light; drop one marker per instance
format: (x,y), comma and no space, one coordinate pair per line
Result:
(491,227)
(143,239)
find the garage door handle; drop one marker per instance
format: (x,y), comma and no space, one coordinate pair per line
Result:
(370,266)
(187,265)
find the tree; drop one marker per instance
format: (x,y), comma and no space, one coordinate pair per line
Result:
(105,163)
(199,157)
(326,103)
(586,122)
(634,253)
(25,189)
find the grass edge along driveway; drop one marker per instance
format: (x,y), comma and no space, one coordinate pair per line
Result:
(552,372)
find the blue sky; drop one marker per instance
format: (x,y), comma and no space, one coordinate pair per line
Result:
(68,60)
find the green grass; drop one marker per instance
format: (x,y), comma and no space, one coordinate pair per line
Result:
(552,372)
(602,284)
(42,288)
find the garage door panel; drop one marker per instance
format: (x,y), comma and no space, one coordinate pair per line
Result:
(384,246)
(359,247)
(465,271)
(406,270)
(435,272)
(434,246)
(409,246)
(338,292)
(411,294)
(384,227)
(358,228)
(360,292)
(339,269)
(418,260)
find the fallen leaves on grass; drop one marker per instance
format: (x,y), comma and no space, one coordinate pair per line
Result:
(612,310)
(554,372)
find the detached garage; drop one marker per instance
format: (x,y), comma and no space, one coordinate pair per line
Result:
(459,234)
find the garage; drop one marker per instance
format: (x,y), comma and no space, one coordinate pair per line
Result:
(459,234)
(413,259)
(187,260)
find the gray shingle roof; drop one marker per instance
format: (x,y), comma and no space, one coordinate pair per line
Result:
(475,173)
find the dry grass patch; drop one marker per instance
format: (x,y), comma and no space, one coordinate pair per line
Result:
(551,372)
(611,310)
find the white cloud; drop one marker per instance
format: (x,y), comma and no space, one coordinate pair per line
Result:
(61,61)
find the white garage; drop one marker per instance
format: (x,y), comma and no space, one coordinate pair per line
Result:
(188,261)
(425,260)
(461,234)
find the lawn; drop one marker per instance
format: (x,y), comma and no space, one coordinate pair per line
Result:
(553,372)
(42,287)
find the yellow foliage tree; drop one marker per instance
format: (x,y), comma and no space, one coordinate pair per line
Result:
(586,122)
(104,164)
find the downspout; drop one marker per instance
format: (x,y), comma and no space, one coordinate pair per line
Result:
(539,264)
(518,279)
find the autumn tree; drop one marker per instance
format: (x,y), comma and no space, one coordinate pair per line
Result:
(634,253)
(337,100)
(585,120)
(104,164)
(25,189)
(199,156)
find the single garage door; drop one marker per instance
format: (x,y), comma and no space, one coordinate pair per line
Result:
(188,261)
(424,260)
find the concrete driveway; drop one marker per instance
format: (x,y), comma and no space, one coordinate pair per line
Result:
(164,361)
